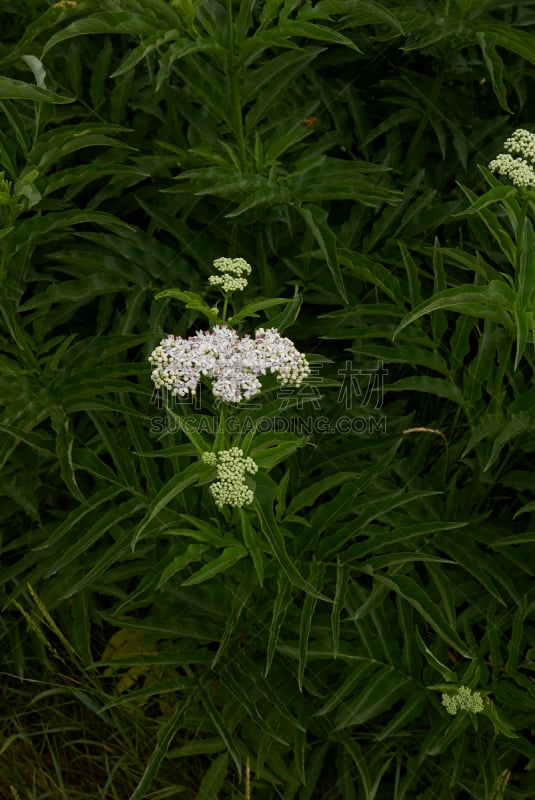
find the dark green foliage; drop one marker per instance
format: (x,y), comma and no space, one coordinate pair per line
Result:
(297,647)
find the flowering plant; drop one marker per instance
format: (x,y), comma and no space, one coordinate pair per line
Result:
(233,365)
(498,296)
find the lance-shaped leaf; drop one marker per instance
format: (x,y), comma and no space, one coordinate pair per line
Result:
(263,504)
(167,493)
(492,302)
(11,89)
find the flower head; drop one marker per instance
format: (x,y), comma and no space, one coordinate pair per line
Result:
(464,699)
(518,163)
(281,357)
(231,487)
(233,364)
(232,271)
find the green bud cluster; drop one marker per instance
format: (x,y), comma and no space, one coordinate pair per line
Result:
(464,699)
(518,163)
(232,271)
(231,488)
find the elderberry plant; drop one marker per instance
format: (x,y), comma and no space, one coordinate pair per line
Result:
(232,366)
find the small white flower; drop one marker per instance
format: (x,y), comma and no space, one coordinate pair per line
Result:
(282,357)
(519,168)
(464,699)
(234,365)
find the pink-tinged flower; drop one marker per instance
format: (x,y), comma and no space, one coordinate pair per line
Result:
(233,364)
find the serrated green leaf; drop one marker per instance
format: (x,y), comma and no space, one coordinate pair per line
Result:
(112,22)
(516,645)
(166,734)
(213,780)
(280,608)
(510,38)
(447,674)
(157,688)
(265,84)
(11,89)
(64,446)
(108,520)
(342,574)
(167,493)
(381,692)
(305,622)
(500,725)
(269,454)
(316,220)
(365,12)
(437,386)
(191,300)
(250,540)
(409,589)
(412,709)
(250,309)
(263,504)
(192,553)
(490,301)
(222,563)
(309,496)
(516,426)
(358,676)
(495,195)
(222,729)
(495,66)
(312,30)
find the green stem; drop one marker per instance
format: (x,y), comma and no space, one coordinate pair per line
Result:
(521,289)
(220,437)
(225,307)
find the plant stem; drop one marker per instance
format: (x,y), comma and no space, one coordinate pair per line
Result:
(220,437)
(521,279)
(225,307)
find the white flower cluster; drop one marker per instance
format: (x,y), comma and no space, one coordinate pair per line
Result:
(464,699)
(233,270)
(279,354)
(231,487)
(233,364)
(519,167)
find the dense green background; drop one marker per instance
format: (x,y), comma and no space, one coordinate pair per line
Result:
(153,646)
